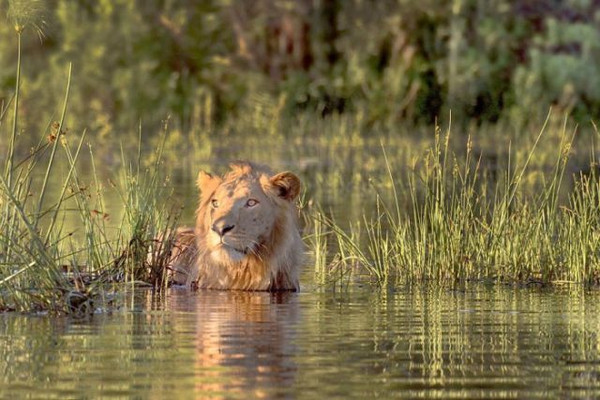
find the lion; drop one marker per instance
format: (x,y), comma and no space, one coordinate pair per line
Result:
(246,235)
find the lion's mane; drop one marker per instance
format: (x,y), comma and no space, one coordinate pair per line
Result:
(274,262)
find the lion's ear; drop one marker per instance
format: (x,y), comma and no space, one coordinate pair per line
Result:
(287,185)
(207,183)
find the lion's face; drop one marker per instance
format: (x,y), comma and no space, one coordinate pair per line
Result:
(241,211)
(240,218)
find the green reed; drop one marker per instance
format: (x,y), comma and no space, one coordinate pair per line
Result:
(147,230)
(47,264)
(447,221)
(50,264)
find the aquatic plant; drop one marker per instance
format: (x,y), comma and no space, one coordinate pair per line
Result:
(45,265)
(461,225)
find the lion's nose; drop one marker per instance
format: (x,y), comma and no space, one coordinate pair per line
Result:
(222,228)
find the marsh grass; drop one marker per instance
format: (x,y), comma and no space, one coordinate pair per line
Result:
(48,265)
(148,226)
(447,221)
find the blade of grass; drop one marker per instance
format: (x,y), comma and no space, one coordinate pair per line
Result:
(55,145)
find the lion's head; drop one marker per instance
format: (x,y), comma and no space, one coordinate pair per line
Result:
(246,229)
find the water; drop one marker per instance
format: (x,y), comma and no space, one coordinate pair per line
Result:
(481,342)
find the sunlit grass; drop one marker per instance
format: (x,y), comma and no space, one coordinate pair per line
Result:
(48,265)
(446,221)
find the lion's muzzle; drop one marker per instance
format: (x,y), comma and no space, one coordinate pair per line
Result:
(222,227)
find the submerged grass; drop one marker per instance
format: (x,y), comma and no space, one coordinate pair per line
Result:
(447,220)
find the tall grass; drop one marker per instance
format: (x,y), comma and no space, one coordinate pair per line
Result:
(50,265)
(460,224)
(47,265)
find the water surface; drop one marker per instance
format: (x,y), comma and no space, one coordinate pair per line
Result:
(480,342)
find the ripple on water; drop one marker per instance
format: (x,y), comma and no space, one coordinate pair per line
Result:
(482,342)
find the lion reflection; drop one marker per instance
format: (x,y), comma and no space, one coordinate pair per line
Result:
(244,343)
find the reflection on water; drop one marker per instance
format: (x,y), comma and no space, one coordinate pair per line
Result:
(243,342)
(480,342)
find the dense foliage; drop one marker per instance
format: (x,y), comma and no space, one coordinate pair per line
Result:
(208,61)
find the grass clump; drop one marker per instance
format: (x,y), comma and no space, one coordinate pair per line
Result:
(58,250)
(47,264)
(448,219)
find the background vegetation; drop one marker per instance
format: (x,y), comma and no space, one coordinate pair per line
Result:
(210,61)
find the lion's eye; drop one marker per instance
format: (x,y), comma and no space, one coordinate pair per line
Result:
(251,203)
(214,203)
